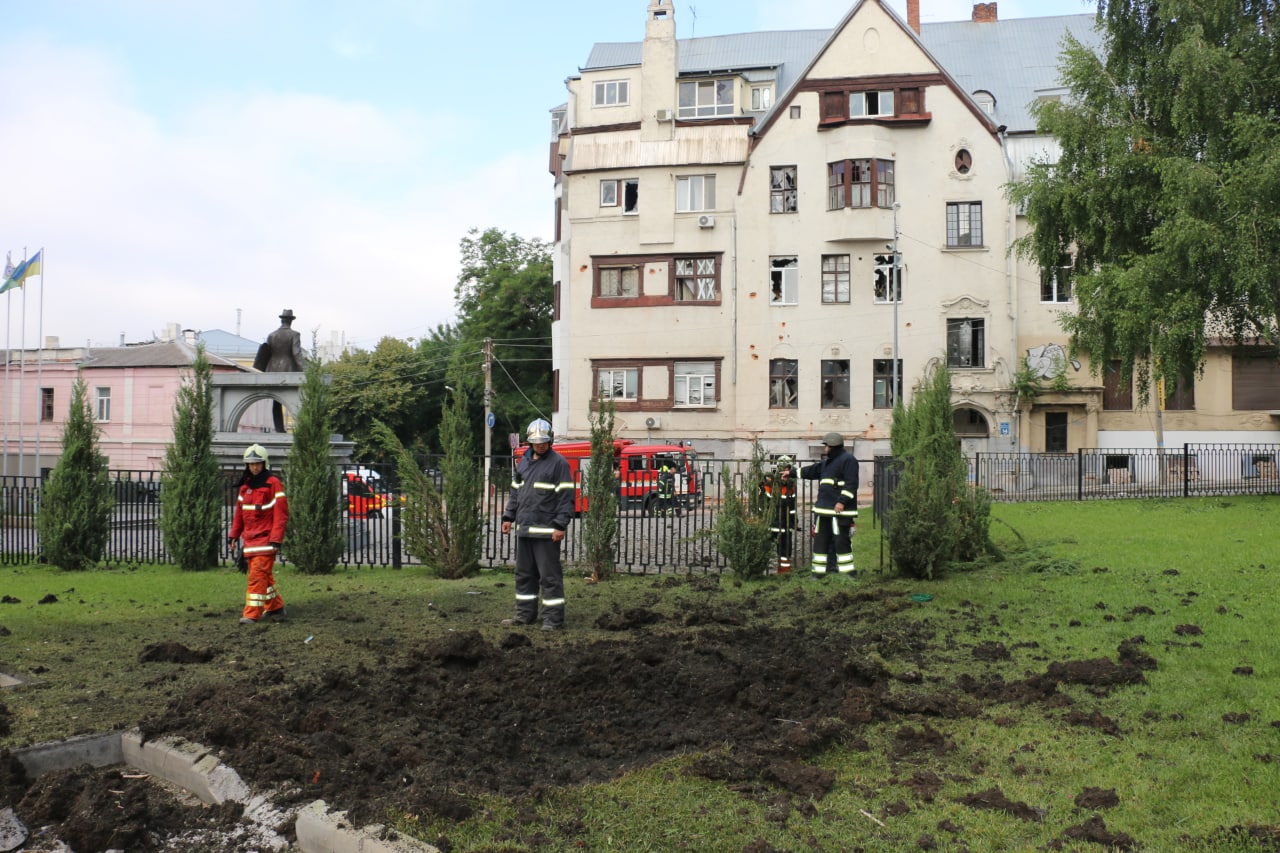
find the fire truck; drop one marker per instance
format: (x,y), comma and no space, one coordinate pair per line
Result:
(636,467)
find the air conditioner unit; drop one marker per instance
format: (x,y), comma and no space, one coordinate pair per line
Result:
(653,423)
(706,221)
(666,115)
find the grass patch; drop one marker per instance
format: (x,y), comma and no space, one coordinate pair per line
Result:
(1187,760)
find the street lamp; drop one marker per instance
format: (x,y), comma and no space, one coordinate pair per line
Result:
(895,289)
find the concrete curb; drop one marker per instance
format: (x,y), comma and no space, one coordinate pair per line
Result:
(194,768)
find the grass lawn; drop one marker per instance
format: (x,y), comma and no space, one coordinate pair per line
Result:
(1188,759)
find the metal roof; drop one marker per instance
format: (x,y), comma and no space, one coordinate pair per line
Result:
(164,354)
(1013,59)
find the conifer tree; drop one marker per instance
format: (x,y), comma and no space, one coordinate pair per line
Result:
(313,540)
(191,485)
(76,501)
(600,487)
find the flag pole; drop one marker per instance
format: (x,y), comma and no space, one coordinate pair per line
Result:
(22,378)
(8,355)
(40,363)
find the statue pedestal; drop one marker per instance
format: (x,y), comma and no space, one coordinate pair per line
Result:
(234,393)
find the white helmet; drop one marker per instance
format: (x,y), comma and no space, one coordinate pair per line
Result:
(784,462)
(539,432)
(256,453)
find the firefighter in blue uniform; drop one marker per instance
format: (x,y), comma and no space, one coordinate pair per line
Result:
(539,511)
(835,509)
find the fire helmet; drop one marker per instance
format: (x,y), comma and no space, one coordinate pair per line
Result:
(256,453)
(539,432)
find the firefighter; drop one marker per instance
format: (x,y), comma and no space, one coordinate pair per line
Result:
(261,515)
(835,509)
(539,511)
(666,486)
(779,490)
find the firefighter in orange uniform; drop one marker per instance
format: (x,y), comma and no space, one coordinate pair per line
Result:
(262,512)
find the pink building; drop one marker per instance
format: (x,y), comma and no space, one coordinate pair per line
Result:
(130,391)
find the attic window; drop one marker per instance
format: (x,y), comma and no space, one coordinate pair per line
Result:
(987,101)
(964,161)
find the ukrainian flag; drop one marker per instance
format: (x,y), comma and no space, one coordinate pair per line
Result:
(22,272)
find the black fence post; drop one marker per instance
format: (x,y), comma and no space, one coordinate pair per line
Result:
(1079,473)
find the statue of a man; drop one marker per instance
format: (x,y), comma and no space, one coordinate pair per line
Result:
(282,353)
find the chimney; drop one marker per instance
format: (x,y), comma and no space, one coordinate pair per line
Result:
(985,13)
(913,15)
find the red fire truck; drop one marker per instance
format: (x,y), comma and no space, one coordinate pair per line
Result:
(636,467)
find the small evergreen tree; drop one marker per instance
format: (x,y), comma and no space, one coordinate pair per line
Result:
(76,501)
(935,518)
(191,488)
(600,488)
(742,531)
(443,528)
(314,539)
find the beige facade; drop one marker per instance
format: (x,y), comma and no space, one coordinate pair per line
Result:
(728,213)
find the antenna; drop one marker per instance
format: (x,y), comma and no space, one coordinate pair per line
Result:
(693,31)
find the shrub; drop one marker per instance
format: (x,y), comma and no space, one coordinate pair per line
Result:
(600,487)
(191,487)
(314,538)
(76,502)
(742,530)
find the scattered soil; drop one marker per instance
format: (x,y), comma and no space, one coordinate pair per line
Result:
(437,723)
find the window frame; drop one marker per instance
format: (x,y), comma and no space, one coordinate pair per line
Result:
(621,269)
(884,391)
(882,281)
(864,99)
(954,210)
(632,373)
(906,103)
(600,87)
(704,379)
(696,109)
(784,383)
(1182,397)
(698,277)
(609,192)
(1055,283)
(784,281)
(1114,398)
(102,404)
(705,193)
(46,405)
(783,198)
(874,178)
(834,278)
(760,97)
(831,377)
(976,344)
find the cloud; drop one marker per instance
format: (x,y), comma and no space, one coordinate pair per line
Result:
(260,200)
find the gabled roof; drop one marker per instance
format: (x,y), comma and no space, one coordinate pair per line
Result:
(162,354)
(1014,60)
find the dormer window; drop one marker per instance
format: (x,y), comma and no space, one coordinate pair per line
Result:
(761,98)
(707,98)
(866,104)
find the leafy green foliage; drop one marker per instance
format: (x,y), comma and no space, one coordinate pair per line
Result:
(1166,186)
(935,518)
(386,386)
(600,487)
(443,527)
(76,501)
(314,539)
(504,294)
(742,529)
(191,486)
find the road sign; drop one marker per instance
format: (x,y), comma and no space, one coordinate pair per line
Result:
(491,420)
(1004,427)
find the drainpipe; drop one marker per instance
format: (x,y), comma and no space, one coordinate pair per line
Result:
(1011,283)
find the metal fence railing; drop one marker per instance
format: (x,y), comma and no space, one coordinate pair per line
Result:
(683,542)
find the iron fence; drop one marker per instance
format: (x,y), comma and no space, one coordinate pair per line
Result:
(649,543)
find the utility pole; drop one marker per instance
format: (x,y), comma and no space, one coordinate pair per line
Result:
(488,409)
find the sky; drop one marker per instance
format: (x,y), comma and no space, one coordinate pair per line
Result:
(211,164)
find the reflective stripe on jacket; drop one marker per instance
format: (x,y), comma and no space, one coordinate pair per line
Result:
(262,513)
(541,499)
(837,477)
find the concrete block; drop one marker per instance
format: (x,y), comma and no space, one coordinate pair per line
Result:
(95,750)
(322,831)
